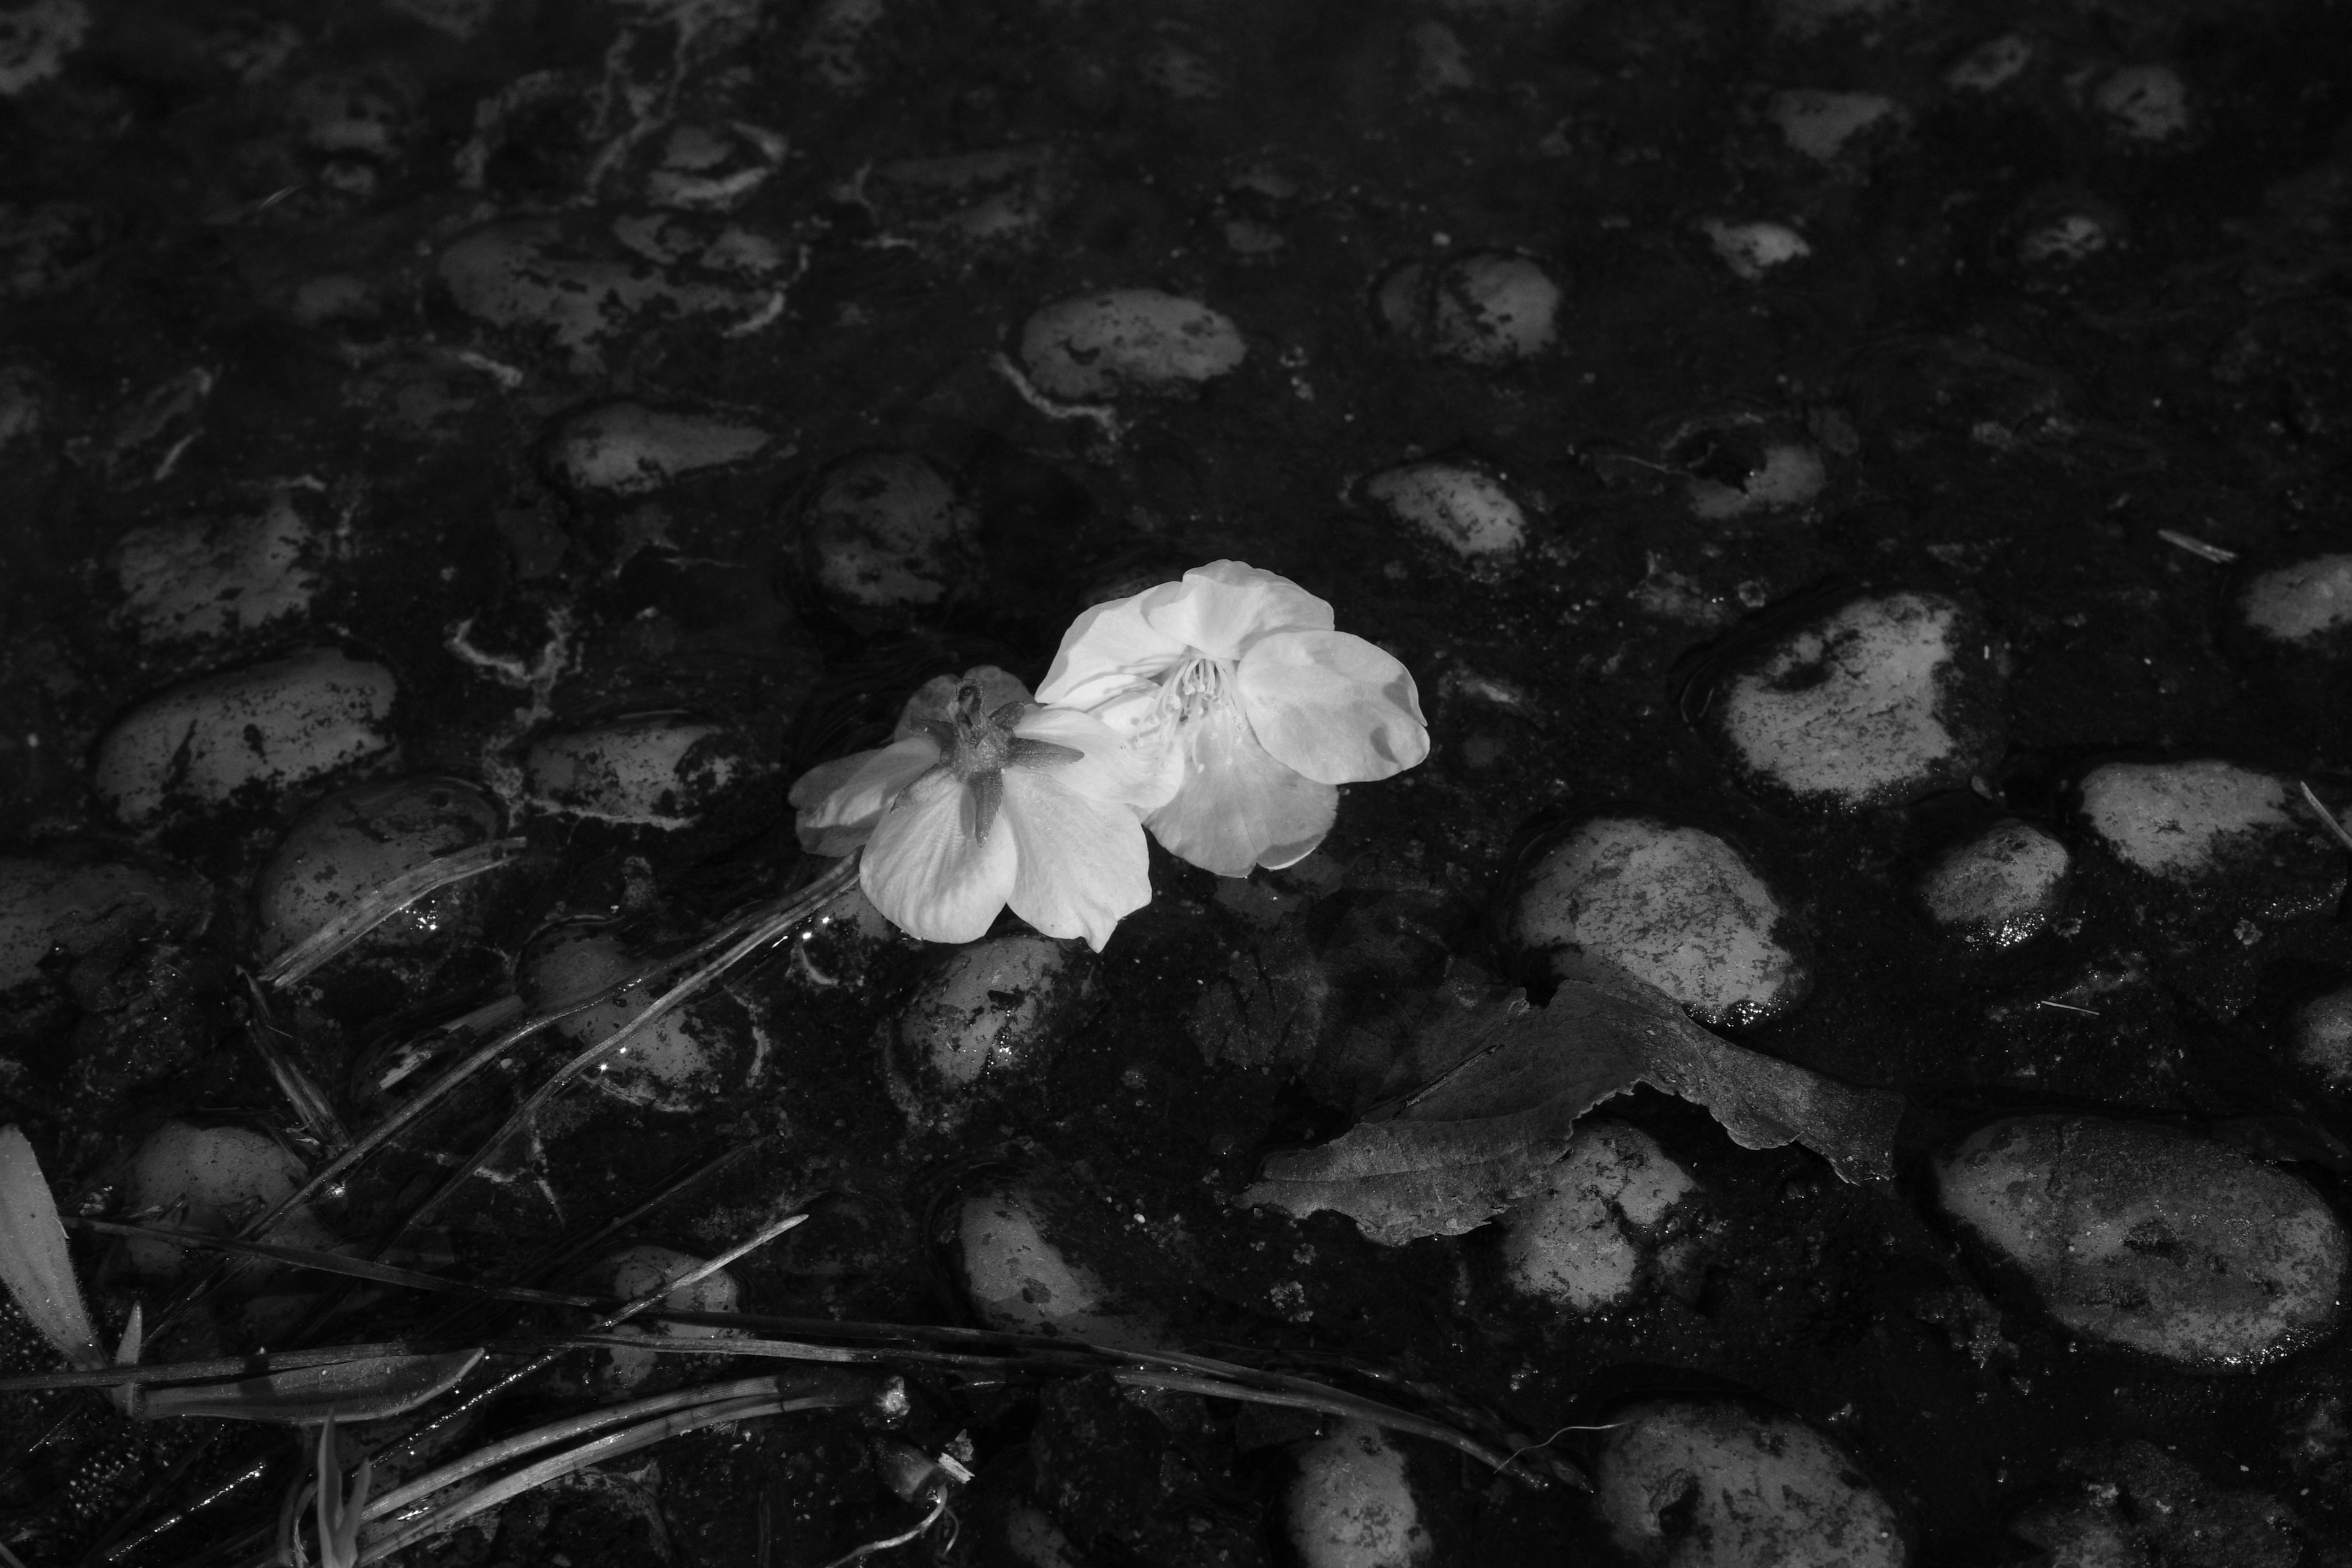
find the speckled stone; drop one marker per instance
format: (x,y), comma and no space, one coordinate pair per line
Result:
(1127,341)
(1351,1504)
(2151,1238)
(2002,888)
(1879,702)
(1580,1239)
(1465,511)
(2302,605)
(2217,830)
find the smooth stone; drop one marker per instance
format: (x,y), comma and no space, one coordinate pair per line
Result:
(1455,506)
(638,1272)
(627,449)
(2066,234)
(2212,826)
(214,1179)
(2320,1037)
(1127,341)
(355,841)
(657,770)
(2306,603)
(1752,249)
(1021,1281)
(1823,126)
(2002,888)
(888,532)
(989,1012)
(1489,309)
(1002,197)
(205,579)
(672,1065)
(1351,1504)
(1877,703)
(1579,1240)
(1675,906)
(580,289)
(1991,65)
(2151,1238)
(269,725)
(2144,103)
(74,907)
(1788,475)
(1712,1486)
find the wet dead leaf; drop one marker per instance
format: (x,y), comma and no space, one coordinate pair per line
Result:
(1450,1157)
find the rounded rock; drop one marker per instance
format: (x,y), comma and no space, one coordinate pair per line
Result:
(655,770)
(1351,1504)
(1460,509)
(207,579)
(2151,1238)
(2214,827)
(214,1178)
(360,838)
(887,531)
(1826,127)
(1491,308)
(1127,341)
(1579,1240)
(2146,104)
(2002,888)
(988,1014)
(627,449)
(1677,908)
(2320,1037)
(1752,249)
(1021,1281)
(638,1272)
(2306,604)
(1877,703)
(269,726)
(1711,1485)
(71,905)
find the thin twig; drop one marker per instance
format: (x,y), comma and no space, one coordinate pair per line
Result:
(860,1553)
(2326,818)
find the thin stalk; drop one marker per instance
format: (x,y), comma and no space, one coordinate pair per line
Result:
(595,1451)
(860,1553)
(311,1107)
(380,904)
(202,1371)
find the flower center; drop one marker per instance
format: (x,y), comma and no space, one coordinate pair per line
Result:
(977,746)
(1195,686)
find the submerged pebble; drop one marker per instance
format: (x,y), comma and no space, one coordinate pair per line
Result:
(1752,249)
(2146,104)
(1879,702)
(2002,888)
(639,1271)
(2214,826)
(673,1064)
(1458,508)
(625,448)
(655,770)
(1351,1504)
(1127,341)
(1830,128)
(2320,1037)
(1675,907)
(66,905)
(269,726)
(208,578)
(1712,1486)
(1489,309)
(360,838)
(2151,1237)
(987,1016)
(887,531)
(1021,1280)
(214,1179)
(2303,605)
(1580,1240)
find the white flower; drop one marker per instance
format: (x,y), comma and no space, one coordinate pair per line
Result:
(1030,806)
(1248,707)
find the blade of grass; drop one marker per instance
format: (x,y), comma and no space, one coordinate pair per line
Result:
(380,904)
(35,1263)
(164,1371)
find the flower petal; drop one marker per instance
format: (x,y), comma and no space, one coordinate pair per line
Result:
(839,802)
(1107,768)
(1111,646)
(1236,807)
(1332,706)
(927,873)
(1082,864)
(1222,608)
(934,700)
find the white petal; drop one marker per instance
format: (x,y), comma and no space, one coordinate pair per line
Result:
(1222,608)
(1109,770)
(839,802)
(1332,706)
(926,872)
(1236,807)
(1110,647)
(1082,861)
